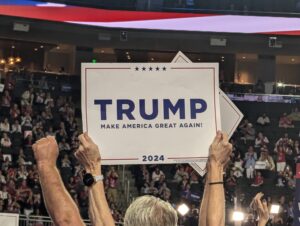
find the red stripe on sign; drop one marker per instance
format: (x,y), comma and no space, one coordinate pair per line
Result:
(82,14)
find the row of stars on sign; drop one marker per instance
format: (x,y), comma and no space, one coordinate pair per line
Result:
(150,68)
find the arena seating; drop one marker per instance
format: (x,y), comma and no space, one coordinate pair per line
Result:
(48,104)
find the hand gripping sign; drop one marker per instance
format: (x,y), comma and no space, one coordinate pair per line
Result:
(151,113)
(231,116)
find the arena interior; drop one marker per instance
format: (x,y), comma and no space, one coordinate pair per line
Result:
(41,95)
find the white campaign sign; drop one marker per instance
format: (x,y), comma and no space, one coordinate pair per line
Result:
(142,113)
(231,116)
(9,219)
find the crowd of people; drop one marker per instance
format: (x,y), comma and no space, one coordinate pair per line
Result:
(36,113)
(256,163)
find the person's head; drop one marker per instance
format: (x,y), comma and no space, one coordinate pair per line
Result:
(150,211)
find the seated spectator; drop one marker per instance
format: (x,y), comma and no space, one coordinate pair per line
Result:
(27,97)
(156,175)
(263,120)
(15,112)
(281,162)
(49,99)
(250,160)
(261,140)
(265,157)
(5,103)
(258,180)
(5,126)
(295,115)
(16,127)
(64,146)
(2,178)
(248,133)
(231,181)
(152,190)
(40,98)
(238,167)
(180,174)
(5,141)
(281,182)
(285,122)
(112,192)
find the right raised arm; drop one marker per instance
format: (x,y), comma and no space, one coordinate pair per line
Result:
(89,156)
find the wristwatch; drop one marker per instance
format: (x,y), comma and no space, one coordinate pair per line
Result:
(89,179)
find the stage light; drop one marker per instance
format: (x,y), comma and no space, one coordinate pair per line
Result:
(2,61)
(238,216)
(275,209)
(183,209)
(11,59)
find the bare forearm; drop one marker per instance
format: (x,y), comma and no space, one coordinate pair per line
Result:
(262,223)
(102,210)
(216,203)
(95,219)
(98,202)
(59,203)
(204,203)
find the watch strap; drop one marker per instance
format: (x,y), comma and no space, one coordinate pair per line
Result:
(98,178)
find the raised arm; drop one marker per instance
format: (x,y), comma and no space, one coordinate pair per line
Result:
(212,211)
(59,203)
(220,151)
(89,156)
(261,207)
(204,202)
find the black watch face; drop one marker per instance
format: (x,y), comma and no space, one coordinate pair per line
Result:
(88,179)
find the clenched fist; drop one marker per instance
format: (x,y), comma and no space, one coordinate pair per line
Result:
(220,150)
(46,151)
(88,154)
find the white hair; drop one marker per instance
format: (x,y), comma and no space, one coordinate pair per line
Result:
(150,211)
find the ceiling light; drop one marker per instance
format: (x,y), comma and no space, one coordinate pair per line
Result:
(102,51)
(11,59)
(57,47)
(280,84)
(275,209)
(18,59)
(183,209)
(238,216)
(13,47)
(244,57)
(41,46)
(35,49)
(127,53)
(293,59)
(2,61)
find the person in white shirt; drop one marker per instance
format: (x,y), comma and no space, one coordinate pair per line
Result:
(5,126)
(16,127)
(157,174)
(263,120)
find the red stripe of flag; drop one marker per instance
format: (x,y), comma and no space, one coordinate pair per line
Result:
(82,14)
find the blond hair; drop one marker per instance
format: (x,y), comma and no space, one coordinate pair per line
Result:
(150,211)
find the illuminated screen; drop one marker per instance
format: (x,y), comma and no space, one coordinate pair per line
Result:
(150,20)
